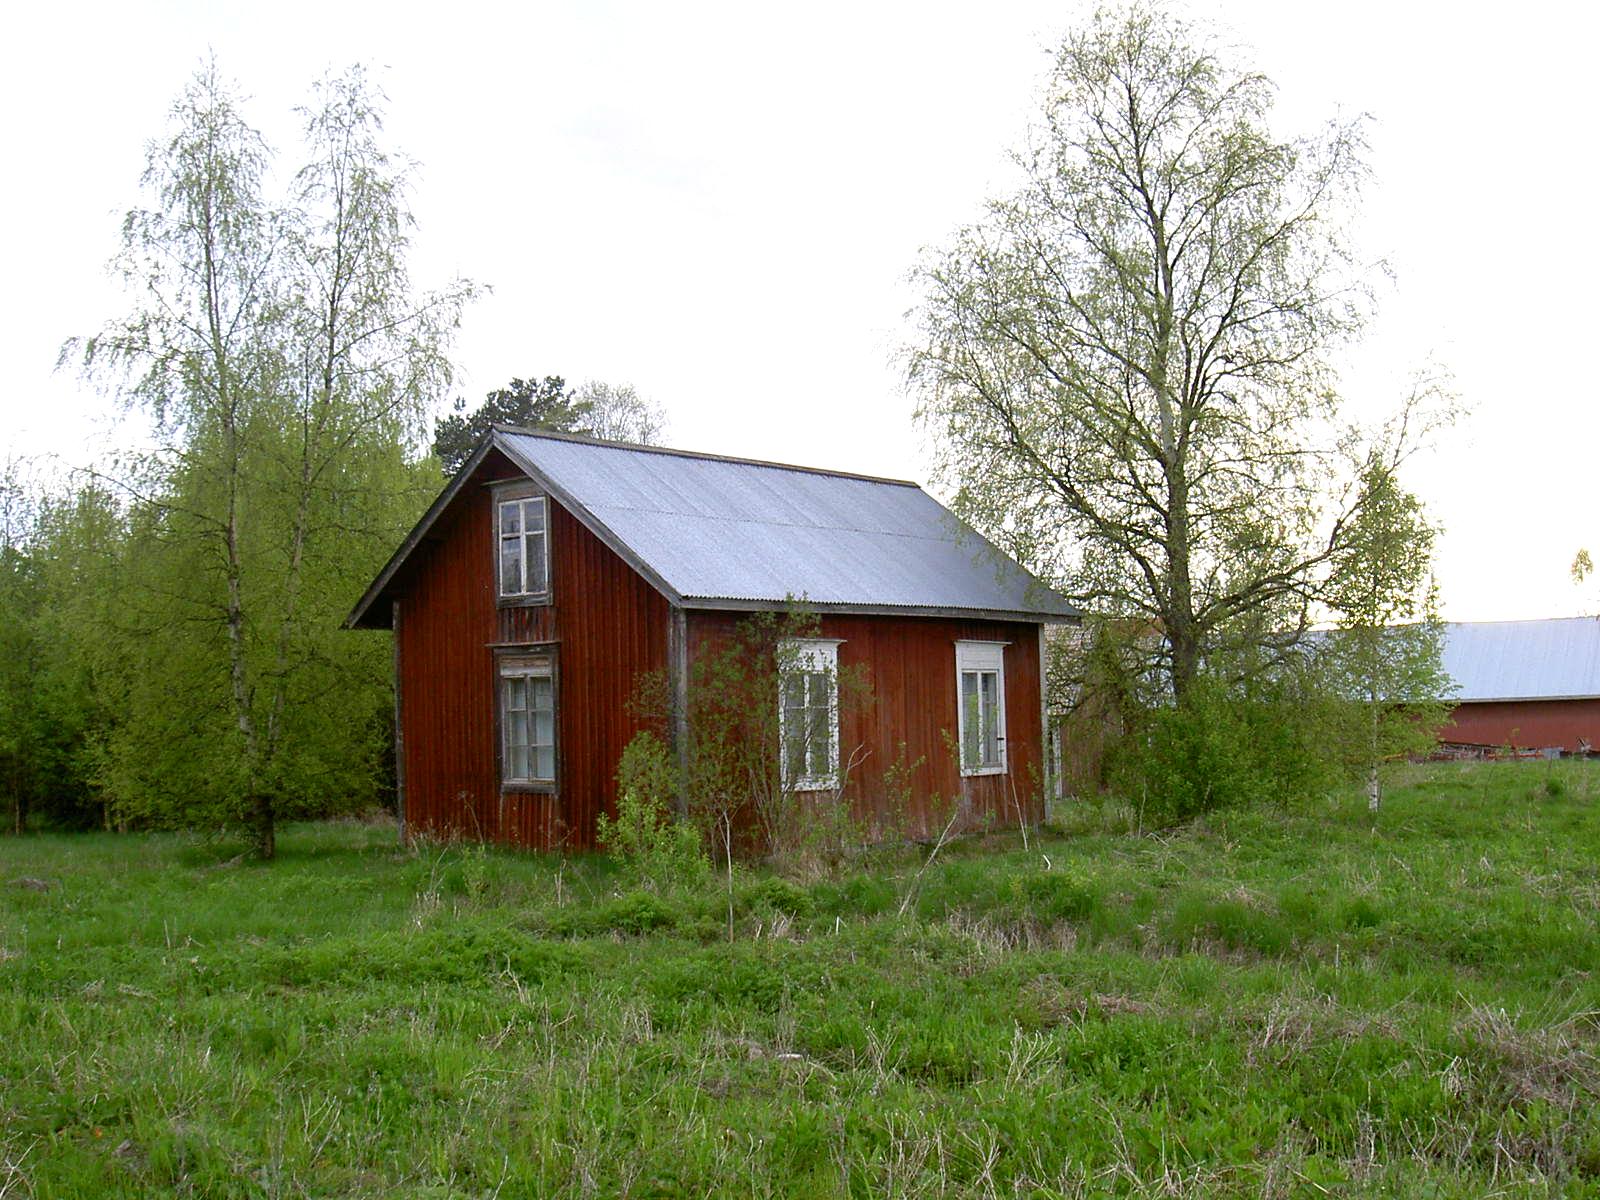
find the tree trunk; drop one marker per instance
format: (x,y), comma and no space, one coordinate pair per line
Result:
(1181,633)
(263,825)
(1374,794)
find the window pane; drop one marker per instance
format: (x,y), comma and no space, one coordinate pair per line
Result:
(519,763)
(511,566)
(535,555)
(794,690)
(970,719)
(544,762)
(989,688)
(794,753)
(817,689)
(510,517)
(517,729)
(533,515)
(821,743)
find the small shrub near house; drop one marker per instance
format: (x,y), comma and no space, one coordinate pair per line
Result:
(652,845)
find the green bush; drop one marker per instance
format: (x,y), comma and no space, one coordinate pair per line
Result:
(1224,747)
(646,838)
(772,894)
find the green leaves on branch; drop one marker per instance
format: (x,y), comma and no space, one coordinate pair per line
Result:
(288,365)
(1127,365)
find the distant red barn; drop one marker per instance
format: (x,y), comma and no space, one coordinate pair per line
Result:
(553,572)
(1531,685)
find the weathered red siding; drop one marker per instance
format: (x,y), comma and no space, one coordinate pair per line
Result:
(609,626)
(909,664)
(1528,724)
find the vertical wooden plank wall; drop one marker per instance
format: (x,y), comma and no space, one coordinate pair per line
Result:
(1532,724)
(609,625)
(909,664)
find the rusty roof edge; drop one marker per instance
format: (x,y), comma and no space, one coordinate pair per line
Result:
(418,532)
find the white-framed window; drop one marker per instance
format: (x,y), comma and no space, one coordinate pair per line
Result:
(808,713)
(981,706)
(522,547)
(528,719)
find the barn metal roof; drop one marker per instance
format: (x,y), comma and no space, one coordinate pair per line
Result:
(724,532)
(1556,659)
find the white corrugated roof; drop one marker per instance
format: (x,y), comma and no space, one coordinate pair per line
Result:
(1524,660)
(730,529)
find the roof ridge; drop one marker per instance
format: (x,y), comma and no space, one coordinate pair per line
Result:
(585,440)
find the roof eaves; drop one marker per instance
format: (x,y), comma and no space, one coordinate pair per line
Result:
(749,604)
(1538,699)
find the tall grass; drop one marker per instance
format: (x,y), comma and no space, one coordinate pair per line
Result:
(1259,1004)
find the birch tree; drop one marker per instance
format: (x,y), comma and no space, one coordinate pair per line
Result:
(286,363)
(1387,650)
(1126,365)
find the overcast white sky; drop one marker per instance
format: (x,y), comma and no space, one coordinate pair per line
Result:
(719,204)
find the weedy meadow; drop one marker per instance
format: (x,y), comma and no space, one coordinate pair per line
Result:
(1269,1002)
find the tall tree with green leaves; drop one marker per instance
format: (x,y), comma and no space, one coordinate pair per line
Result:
(1126,365)
(616,412)
(287,362)
(530,403)
(612,412)
(1387,651)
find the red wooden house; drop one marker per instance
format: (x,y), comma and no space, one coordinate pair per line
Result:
(553,572)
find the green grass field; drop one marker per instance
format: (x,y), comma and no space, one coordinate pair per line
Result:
(1269,1003)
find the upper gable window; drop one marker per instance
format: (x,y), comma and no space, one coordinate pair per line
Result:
(981,706)
(522,533)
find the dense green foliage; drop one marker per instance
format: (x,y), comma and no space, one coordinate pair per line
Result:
(614,412)
(530,403)
(60,555)
(284,365)
(1264,1003)
(1228,746)
(1128,365)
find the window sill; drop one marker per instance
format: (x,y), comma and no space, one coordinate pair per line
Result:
(969,772)
(525,787)
(534,601)
(814,785)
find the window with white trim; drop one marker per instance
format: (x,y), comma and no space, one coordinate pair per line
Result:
(528,719)
(524,548)
(981,706)
(808,713)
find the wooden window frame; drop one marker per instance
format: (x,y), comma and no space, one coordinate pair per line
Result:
(520,491)
(977,657)
(505,656)
(812,656)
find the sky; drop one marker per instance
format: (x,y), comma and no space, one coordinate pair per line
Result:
(721,204)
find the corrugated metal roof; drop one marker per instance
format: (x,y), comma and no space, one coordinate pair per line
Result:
(1524,660)
(730,529)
